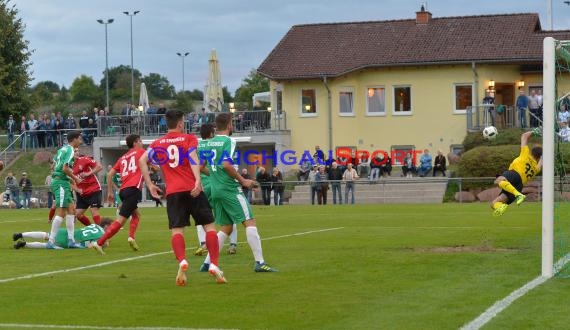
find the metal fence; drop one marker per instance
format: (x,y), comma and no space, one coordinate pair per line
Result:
(500,116)
(155,125)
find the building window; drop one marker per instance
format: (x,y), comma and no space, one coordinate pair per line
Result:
(402,100)
(279,101)
(463,97)
(346,102)
(308,102)
(398,153)
(375,101)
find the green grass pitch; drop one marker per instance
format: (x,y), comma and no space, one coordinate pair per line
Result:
(341,267)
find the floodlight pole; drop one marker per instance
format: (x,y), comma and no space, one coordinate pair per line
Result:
(107,22)
(183,56)
(132,67)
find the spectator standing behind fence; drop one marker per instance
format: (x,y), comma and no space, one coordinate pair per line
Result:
(84,125)
(425,163)
(533,106)
(439,164)
(488,103)
(322,185)
(70,123)
(41,134)
(349,177)
(23,130)
(277,185)
(522,105)
(304,169)
(264,180)
(33,126)
(26,185)
(245,189)
(11,184)
(335,177)
(11,129)
(313,183)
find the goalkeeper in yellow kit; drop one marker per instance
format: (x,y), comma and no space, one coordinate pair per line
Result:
(522,169)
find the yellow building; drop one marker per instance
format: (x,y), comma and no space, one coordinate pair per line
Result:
(400,84)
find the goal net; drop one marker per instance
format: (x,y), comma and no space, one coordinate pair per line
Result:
(556,158)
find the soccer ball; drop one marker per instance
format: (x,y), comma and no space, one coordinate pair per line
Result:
(490,132)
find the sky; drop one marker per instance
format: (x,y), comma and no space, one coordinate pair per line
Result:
(67,41)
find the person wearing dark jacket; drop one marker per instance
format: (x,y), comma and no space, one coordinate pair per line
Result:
(335,178)
(277,185)
(264,180)
(26,185)
(439,163)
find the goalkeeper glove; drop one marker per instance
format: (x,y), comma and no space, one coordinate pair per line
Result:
(537,131)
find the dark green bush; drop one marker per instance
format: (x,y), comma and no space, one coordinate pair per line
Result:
(508,136)
(486,161)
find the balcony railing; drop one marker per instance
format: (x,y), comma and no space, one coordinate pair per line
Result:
(500,116)
(247,122)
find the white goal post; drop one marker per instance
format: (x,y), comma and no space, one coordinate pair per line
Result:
(549,104)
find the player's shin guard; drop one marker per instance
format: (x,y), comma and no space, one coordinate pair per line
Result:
(56,223)
(254,242)
(213,246)
(133,225)
(233,235)
(70,225)
(84,220)
(110,232)
(179,247)
(97,219)
(508,187)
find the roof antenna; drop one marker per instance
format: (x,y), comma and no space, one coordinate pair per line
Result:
(423,7)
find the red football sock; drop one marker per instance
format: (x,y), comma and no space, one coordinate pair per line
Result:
(213,246)
(84,220)
(97,219)
(51,214)
(134,224)
(179,247)
(110,232)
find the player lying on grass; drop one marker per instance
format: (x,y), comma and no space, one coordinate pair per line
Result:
(522,169)
(83,237)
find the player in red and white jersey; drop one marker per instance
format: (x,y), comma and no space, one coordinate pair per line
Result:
(89,194)
(175,153)
(128,167)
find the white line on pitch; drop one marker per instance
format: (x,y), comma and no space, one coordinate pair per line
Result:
(502,304)
(25,277)
(55,326)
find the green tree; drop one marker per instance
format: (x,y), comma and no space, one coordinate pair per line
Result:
(158,86)
(195,94)
(43,93)
(227,96)
(184,102)
(84,89)
(120,82)
(14,62)
(253,83)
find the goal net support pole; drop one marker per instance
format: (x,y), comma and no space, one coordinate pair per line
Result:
(549,103)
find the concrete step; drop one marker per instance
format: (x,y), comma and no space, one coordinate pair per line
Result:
(397,190)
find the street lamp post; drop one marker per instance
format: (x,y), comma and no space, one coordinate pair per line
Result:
(107,22)
(183,56)
(132,67)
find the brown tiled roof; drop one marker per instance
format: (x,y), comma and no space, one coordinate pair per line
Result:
(317,50)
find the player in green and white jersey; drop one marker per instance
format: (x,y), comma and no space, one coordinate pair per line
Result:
(61,188)
(228,201)
(208,131)
(83,236)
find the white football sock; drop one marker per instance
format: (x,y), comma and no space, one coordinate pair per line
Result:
(221,240)
(55,224)
(36,235)
(254,243)
(233,235)
(201,234)
(70,225)
(36,245)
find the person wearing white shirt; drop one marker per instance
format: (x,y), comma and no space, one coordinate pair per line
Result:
(349,177)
